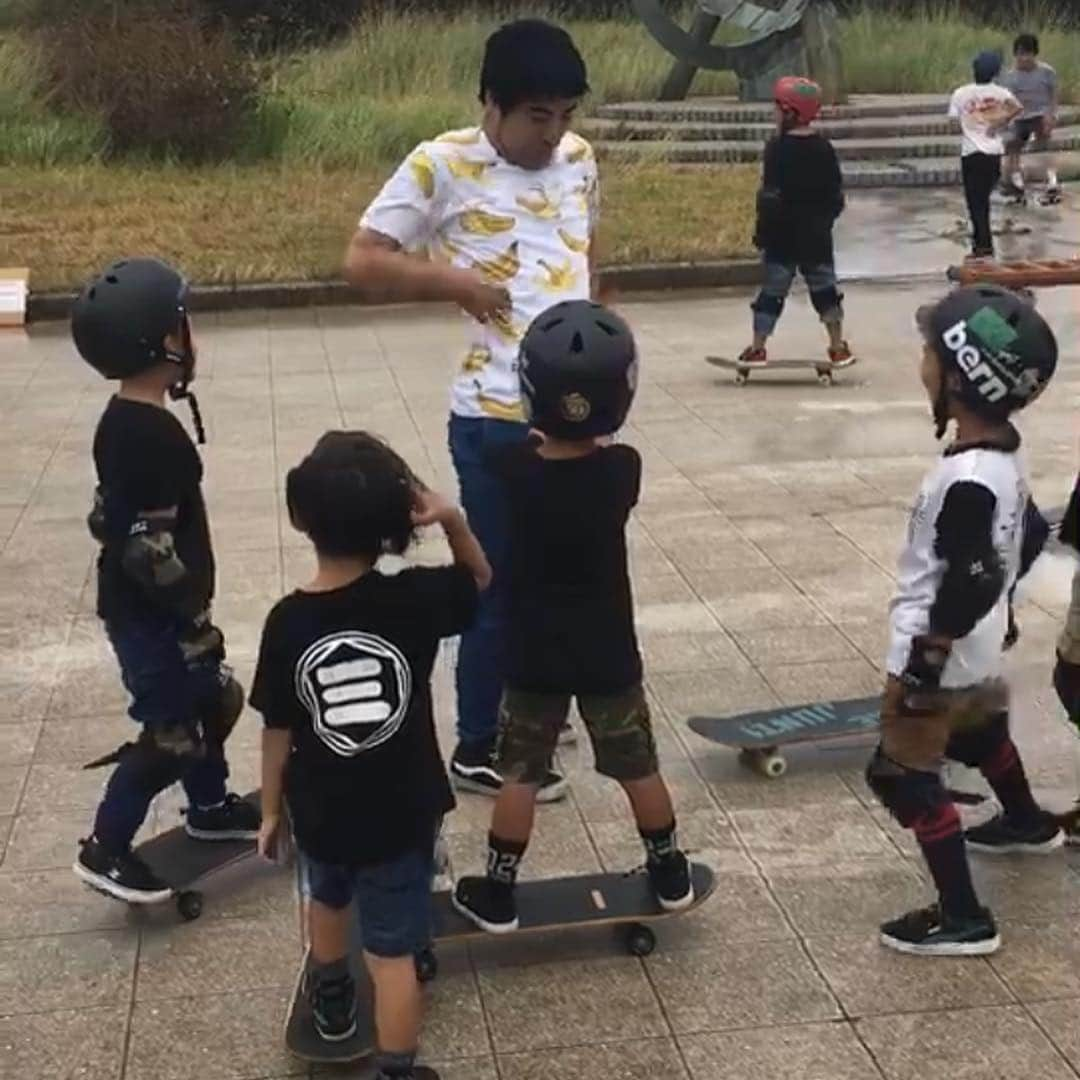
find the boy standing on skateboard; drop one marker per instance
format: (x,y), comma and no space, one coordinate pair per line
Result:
(801,197)
(343,684)
(1034,85)
(987,353)
(983,110)
(155,578)
(570,627)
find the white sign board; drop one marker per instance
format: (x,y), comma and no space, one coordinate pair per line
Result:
(13,290)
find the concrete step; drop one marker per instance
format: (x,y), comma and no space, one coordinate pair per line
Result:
(730,111)
(936,172)
(863,127)
(848,150)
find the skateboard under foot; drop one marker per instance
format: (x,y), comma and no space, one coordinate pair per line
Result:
(624,901)
(825,368)
(184,863)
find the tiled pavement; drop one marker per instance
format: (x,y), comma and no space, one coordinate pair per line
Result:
(762,556)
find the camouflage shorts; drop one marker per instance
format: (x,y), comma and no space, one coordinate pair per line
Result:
(618,724)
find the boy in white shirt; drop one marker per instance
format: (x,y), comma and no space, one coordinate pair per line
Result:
(984,111)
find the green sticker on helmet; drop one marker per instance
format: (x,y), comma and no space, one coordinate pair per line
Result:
(992,330)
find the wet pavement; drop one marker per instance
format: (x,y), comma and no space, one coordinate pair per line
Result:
(762,551)
(905,231)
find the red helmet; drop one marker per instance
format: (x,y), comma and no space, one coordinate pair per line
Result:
(799,98)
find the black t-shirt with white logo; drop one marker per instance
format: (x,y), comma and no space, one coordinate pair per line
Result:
(146,461)
(570,626)
(348,672)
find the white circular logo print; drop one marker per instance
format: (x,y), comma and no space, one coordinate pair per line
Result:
(356,687)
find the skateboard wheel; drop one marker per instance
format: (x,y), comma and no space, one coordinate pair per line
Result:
(640,940)
(825,378)
(771,765)
(427,965)
(741,378)
(189,904)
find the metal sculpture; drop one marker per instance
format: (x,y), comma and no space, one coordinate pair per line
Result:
(784,37)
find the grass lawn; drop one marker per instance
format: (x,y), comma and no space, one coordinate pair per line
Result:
(229,223)
(332,122)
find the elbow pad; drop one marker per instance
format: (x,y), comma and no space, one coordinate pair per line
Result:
(969,590)
(149,558)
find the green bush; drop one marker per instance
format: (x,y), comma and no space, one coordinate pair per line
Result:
(163,83)
(273,25)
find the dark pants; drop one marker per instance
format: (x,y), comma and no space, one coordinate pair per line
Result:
(166,692)
(481,659)
(981,175)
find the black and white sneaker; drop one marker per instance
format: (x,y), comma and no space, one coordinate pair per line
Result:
(1004,836)
(232,819)
(1050,197)
(927,933)
(475,771)
(670,879)
(489,904)
(333,1007)
(124,876)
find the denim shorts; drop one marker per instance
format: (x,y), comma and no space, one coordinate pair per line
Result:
(393,899)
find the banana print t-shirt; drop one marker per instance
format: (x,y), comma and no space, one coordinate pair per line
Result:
(525,230)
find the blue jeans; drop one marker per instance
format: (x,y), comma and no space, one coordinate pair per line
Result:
(480,659)
(779,276)
(393,899)
(166,692)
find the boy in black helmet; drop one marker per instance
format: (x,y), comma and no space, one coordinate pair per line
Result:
(987,353)
(155,577)
(570,628)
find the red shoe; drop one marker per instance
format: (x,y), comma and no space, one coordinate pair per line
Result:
(754,357)
(841,355)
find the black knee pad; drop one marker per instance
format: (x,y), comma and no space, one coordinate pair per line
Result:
(220,718)
(908,794)
(826,301)
(975,746)
(154,765)
(768,304)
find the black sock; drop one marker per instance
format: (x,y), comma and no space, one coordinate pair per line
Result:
(394,1066)
(336,969)
(660,844)
(942,842)
(1004,772)
(504,859)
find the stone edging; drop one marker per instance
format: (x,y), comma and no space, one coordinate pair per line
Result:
(645,277)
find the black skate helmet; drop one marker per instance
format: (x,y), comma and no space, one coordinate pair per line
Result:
(999,346)
(121,319)
(578,369)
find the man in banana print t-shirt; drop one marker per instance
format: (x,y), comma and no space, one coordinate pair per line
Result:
(506,212)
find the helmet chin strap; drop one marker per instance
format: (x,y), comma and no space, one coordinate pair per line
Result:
(179,390)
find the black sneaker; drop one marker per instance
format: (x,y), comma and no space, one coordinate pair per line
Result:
(670,878)
(124,876)
(1002,836)
(417,1072)
(333,1007)
(234,819)
(486,903)
(474,770)
(926,933)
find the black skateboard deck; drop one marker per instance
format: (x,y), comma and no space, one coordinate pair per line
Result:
(184,862)
(824,368)
(759,736)
(623,900)
(305,1042)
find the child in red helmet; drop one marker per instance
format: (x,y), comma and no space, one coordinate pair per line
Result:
(801,196)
